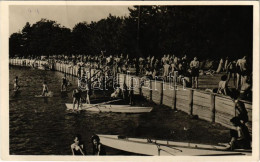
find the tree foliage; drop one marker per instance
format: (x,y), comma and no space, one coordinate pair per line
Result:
(203,31)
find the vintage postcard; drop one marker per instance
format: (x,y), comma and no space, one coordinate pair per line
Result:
(130,81)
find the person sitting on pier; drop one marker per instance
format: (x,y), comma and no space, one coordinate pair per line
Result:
(223,86)
(240,107)
(149,74)
(64,83)
(240,138)
(117,93)
(16,85)
(246,90)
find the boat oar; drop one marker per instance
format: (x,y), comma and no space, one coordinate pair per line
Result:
(159,149)
(96,105)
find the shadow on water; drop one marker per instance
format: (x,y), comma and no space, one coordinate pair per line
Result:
(16,94)
(46,100)
(64,95)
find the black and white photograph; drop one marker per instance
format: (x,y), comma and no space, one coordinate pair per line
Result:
(132,79)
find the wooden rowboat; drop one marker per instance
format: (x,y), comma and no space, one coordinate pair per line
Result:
(111,108)
(165,148)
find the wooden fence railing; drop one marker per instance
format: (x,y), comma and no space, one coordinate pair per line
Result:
(208,106)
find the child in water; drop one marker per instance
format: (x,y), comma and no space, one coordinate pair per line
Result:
(45,89)
(16,86)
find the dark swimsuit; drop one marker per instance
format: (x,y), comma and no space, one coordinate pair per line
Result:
(77,95)
(102,150)
(64,81)
(77,152)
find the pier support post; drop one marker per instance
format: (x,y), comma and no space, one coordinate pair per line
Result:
(151,91)
(191,102)
(140,87)
(161,94)
(118,78)
(212,107)
(174,99)
(132,91)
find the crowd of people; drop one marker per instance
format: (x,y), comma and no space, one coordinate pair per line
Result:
(183,70)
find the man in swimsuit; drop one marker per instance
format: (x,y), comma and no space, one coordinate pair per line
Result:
(79,71)
(45,89)
(241,71)
(16,86)
(194,65)
(76,98)
(64,83)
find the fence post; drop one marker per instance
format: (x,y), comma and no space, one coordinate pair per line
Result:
(124,78)
(212,108)
(174,99)
(191,102)
(151,91)
(140,87)
(132,91)
(118,79)
(90,73)
(161,94)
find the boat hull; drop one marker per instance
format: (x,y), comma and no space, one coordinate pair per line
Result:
(111,108)
(165,148)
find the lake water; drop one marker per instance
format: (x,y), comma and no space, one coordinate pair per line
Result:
(43,126)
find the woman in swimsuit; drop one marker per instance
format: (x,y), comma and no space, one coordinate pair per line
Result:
(240,137)
(98,148)
(77,147)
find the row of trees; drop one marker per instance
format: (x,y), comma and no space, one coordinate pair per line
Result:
(203,31)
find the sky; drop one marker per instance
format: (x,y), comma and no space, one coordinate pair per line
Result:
(67,16)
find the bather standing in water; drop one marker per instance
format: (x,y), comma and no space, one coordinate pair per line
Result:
(44,89)
(16,85)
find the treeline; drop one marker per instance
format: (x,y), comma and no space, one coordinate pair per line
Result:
(203,31)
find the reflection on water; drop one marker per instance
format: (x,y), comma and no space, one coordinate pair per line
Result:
(42,126)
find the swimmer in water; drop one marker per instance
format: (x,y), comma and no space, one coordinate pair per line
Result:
(45,88)
(98,148)
(64,83)
(16,85)
(77,147)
